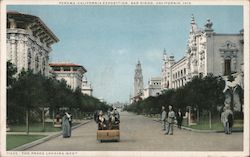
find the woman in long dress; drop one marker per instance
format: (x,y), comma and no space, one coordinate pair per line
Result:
(66,129)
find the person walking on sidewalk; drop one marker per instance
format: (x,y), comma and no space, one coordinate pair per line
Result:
(179,118)
(66,129)
(170,121)
(229,119)
(70,119)
(224,119)
(163,118)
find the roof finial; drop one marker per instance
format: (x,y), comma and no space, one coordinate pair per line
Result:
(192,19)
(208,25)
(164,52)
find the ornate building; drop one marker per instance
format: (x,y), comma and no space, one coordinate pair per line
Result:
(29,42)
(154,87)
(138,80)
(71,73)
(207,52)
(166,70)
(86,87)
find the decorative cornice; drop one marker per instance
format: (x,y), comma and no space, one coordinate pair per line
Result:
(229,47)
(34,23)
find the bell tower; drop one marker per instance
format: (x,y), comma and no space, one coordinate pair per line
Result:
(138,80)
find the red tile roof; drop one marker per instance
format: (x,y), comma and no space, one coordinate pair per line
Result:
(66,65)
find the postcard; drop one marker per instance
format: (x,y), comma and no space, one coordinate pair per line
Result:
(124,78)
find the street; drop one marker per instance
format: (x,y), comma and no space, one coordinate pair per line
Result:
(139,133)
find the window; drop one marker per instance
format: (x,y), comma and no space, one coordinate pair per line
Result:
(66,68)
(37,63)
(227,67)
(44,66)
(29,59)
(75,68)
(57,68)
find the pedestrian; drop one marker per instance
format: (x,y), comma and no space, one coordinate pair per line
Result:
(116,114)
(179,118)
(66,129)
(163,118)
(223,119)
(109,112)
(228,119)
(96,113)
(70,119)
(115,119)
(101,121)
(170,121)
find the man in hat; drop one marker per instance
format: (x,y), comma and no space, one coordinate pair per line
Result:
(163,117)
(170,121)
(228,119)
(224,119)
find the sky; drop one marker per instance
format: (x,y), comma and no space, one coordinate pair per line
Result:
(109,40)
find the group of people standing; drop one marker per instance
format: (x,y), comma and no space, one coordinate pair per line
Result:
(169,118)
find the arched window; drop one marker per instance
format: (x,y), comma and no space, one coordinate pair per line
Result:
(29,59)
(44,66)
(227,66)
(37,63)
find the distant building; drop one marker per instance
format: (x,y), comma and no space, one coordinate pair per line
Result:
(138,80)
(154,87)
(166,70)
(71,73)
(207,52)
(138,84)
(29,42)
(86,87)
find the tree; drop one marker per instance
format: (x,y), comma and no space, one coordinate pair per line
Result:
(28,92)
(11,72)
(32,93)
(201,93)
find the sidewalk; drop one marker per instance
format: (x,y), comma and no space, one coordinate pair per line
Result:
(32,133)
(50,135)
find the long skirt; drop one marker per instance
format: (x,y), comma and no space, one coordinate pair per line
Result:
(66,129)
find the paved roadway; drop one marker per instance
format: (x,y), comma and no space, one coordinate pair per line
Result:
(139,133)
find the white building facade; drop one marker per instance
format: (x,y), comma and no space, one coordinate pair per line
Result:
(71,73)
(29,42)
(138,80)
(86,87)
(207,52)
(154,87)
